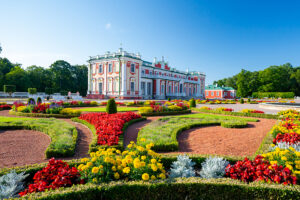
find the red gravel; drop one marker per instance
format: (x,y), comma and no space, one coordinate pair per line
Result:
(225,141)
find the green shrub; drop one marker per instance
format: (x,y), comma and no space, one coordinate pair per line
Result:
(261,95)
(111,106)
(169,99)
(42,115)
(9,88)
(242,101)
(249,100)
(32,90)
(30,101)
(192,103)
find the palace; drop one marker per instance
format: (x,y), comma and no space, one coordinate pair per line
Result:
(126,76)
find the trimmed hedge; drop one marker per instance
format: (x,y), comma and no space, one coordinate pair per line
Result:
(111,106)
(63,135)
(11,112)
(94,146)
(167,113)
(257,115)
(180,188)
(261,95)
(32,90)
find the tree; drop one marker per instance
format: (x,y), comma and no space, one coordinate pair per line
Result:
(62,78)
(5,67)
(242,84)
(18,76)
(80,75)
(38,77)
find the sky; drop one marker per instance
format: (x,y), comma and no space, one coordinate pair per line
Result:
(217,37)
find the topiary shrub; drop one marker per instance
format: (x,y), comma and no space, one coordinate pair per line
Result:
(242,101)
(31,101)
(213,167)
(183,167)
(248,100)
(32,90)
(169,99)
(111,106)
(39,100)
(192,103)
(11,184)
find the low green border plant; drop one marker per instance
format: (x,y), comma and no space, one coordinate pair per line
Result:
(42,115)
(93,145)
(63,135)
(257,115)
(167,113)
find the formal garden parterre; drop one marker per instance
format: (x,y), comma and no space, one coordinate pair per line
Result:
(271,173)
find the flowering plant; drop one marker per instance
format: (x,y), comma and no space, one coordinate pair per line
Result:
(56,174)
(109,126)
(5,107)
(135,163)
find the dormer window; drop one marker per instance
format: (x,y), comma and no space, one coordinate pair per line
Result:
(132,68)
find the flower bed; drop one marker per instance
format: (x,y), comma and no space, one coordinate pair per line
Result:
(5,107)
(43,110)
(67,104)
(109,126)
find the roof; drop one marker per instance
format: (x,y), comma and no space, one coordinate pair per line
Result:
(215,87)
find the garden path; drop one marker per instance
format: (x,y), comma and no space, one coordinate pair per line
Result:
(132,131)
(33,138)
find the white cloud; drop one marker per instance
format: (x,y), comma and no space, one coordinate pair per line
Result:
(108,26)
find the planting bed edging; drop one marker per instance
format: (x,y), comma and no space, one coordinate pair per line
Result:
(11,112)
(166,113)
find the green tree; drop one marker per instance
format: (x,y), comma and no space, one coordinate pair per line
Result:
(62,78)
(18,76)
(38,77)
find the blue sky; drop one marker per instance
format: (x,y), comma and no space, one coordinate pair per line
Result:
(218,37)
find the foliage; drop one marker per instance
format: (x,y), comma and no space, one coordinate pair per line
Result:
(103,109)
(30,101)
(286,145)
(11,184)
(192,103)
(242,101)
(48,90)
(109,126)
(39,100)
(9,88)
(111,106)
(55,175)
(261,95)
(260,170)
(63,135)
(32,90)
(252,111)
(64,92)
(183,167)
(70,111)
(213,167)
(135,163)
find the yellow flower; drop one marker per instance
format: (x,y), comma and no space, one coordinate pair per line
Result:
(290,167)
(129,146)
(297,172)
(153,167)
(92,154)
(80,166)
(89,164)
(84,159)
(117,175)
(273,162)
(94,159)
(114,168)
(143,157)
(95,180)
(119,167)
(145,177)
(153,177)
(162,176)
(283,158)
(143,140)
(140,148)
(126,170)
(118,151)
(95,170)
(153,160)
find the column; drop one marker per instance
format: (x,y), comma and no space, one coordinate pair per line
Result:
(158,87)
(123,79)
(89,78)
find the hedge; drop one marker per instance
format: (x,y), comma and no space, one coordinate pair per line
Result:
(42,115)
(180,188)
(257,115)
(167,113)
(63,135)
(94,146)
(32,90)
(273,94)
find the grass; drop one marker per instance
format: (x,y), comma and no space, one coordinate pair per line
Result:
(63,135)
(163,132)
(103,109)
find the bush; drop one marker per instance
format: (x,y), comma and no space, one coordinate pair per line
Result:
(192,103)
(70,111)
(9,88)
(183,167)
(213,167)
(32,90)
(145,110)
(111,106)
(30,101)
(260,95)
(242,101)
(169,99)
(11,184)
(39,100)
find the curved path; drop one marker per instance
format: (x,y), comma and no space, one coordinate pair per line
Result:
(37,142)
(225,141)
(132,131)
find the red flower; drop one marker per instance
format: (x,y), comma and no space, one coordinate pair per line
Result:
(290,138)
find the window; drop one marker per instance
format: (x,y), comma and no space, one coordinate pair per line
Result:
(180,88)
(162,90)
(109,85)
(143,71)
(114,83)
(100,69)
(110,68)
(170,89)
(211,94)
(149,88)
(218,93)
(132,86)
(100,88)
(132,68)
(195,90)
(206,93)
(150,72)
(176,89)
(143,88)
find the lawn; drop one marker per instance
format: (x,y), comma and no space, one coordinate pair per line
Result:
(63,135)
(103,109)
(163,132)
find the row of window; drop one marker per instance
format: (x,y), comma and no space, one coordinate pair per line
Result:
(114,69)
(212,93)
